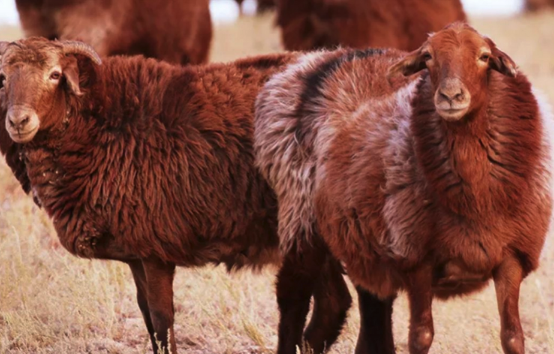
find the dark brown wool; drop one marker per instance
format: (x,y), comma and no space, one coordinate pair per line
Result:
(434,183)
(176,31)
(402,24)
(152,164)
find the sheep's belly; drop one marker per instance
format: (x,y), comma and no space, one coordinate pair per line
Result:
(454,279)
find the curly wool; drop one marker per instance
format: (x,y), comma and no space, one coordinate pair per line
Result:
(157,160)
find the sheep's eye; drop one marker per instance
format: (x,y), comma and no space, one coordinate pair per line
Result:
(2,81)
(485,57)
(427,56)
(55,75)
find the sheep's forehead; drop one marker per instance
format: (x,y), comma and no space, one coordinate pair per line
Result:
(450,39)
(42,57)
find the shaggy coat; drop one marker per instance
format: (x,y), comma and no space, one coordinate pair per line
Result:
(402,24)
(172,30)
(404,197)
(152,164)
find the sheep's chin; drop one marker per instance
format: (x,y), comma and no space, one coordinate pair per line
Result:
(23,137)
(452,115)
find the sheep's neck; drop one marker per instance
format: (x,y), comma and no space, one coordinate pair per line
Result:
(58,162)
(471,166)
(458,170)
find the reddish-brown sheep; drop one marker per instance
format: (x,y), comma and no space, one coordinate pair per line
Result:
(152,164)
(536,5)
(176,31)
(402,24)
(433,183)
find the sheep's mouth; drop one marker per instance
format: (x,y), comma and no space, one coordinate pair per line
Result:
(21,137)
(452,113)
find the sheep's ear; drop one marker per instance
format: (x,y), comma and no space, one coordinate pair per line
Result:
(410,64)
(501,61)
(70,71)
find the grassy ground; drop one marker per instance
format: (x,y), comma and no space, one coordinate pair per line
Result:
(51,302)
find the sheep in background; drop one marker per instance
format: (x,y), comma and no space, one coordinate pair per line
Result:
(152,164)
(536,5)
(172,30)
(401,24)
(433,182)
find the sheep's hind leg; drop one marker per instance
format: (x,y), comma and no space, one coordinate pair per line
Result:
(140,281)
(420,296)
(295,284)
(507,280)
(331,303)
(159,295)
(376,324)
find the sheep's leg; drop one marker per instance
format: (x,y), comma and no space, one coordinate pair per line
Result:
(140,281)
(295,284)
(376,324)
(507,280)
(331,303)
(420,296)
(159,293)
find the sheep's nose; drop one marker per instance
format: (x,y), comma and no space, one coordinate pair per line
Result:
(20,118)
(19,121)
(453,91)
(452,94)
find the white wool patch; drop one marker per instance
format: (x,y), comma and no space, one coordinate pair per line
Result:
(547,117)
(280,158)
(304,64)
(399,169)
(404,98)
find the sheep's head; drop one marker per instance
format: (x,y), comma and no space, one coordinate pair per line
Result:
(36,77)
(459,61)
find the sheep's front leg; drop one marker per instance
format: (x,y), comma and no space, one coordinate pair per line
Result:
(507,279)
(376,324)
(159,294)
(140,281)
(420,296)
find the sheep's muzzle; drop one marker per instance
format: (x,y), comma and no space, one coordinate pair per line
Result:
(22,123)
(452,99)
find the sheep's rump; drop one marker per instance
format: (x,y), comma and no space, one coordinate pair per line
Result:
(294,124)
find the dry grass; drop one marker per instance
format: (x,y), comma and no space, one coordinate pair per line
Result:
(51,302)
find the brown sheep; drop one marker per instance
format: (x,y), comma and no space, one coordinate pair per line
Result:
(433,182)
(401,24)
(153,164)
(176,31)
(265,6)
(536,5)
